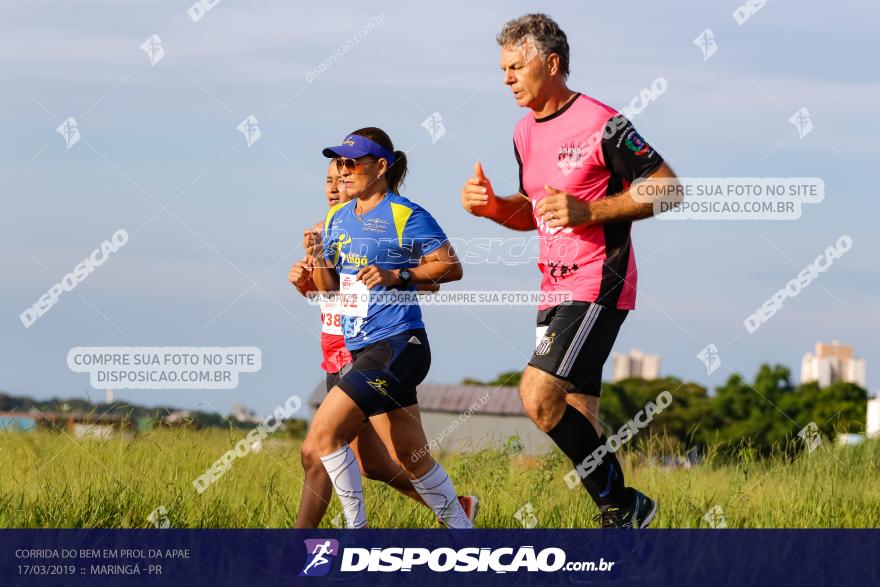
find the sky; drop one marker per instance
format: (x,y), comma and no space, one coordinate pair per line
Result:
(214,223)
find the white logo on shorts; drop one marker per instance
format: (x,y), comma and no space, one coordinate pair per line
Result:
(543,341)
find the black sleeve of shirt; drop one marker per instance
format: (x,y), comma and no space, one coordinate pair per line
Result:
(626,153)
(522,190)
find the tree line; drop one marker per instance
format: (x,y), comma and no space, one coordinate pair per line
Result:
(762,415)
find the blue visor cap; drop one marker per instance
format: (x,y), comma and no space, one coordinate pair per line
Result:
(355,146)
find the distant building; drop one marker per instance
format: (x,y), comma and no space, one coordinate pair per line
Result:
(175,418)
(850,439)
(243,414)
(17,421)
(78,424)
(872,423)
(635,364)
(832,363)
(466,418)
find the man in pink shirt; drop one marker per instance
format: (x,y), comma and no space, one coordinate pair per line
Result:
(577,158)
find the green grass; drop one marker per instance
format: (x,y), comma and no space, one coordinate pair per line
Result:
(52,480)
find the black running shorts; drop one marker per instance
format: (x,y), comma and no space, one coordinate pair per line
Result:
(573,342)
(383,376)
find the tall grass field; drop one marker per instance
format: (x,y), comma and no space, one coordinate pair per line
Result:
(52,480)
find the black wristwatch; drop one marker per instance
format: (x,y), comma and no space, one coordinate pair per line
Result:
(405,275)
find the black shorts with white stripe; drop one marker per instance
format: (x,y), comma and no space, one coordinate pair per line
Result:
(573,342)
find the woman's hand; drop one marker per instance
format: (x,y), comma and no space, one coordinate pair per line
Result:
(300,273)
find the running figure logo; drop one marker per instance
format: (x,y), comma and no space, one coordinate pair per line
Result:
(153,48)
(801,121)
(319,556)
(70,131)
(706,43)
(434,125)
(379,385)
(710,358)
(250,128)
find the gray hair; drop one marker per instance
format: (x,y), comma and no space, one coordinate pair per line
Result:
(545,33)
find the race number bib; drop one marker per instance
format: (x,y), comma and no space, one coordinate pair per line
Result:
(355,296)
(331,314)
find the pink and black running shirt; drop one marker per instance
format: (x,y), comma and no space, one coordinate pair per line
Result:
(590,151)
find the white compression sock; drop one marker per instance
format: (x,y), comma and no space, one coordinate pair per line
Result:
(345,474)
(437,491)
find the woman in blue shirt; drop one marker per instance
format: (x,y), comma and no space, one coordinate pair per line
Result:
(379,244)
